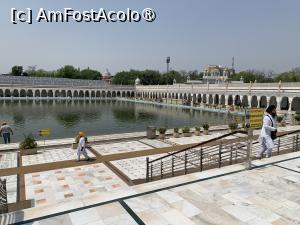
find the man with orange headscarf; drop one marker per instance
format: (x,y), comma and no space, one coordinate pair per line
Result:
(81,147)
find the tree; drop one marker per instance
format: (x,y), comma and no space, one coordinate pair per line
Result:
(17,70)
(168,78)
(126,77)
(68,71)
(251,76)
(32,72)
(89,74)
(292,76)
(149,77)
(194,75)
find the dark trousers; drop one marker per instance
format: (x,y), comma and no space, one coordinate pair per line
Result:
(6,138)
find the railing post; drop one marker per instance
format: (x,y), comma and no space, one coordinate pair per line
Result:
(172,166)
(278,146)
(293,148)
(147,169)
(230,159)
(297,142)
(220,155)
(185,162)
(151,172)
(161,169)
(249,149)
(201,159)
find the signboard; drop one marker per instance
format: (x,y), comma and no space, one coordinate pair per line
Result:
(256,118)
(44,132)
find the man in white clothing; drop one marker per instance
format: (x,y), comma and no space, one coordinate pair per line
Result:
(267,134)
(81,147)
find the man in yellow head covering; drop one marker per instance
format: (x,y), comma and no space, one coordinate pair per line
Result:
(81,147)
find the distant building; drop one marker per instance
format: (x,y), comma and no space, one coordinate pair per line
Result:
(107,77)
(214,74)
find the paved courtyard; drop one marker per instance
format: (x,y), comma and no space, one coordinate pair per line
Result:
(51,155)
(120,147)
(8,160)
(67,184)
(266,195)
(269,195)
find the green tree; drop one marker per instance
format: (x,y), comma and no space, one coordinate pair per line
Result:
(292,76)
(149,77)
(251,76)
(68,71)
(39,73)
(194,75)
(126,77)
(89,74)
(17,70)
(168,78)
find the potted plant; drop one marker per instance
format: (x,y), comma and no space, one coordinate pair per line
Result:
(197,131)
(280,121)
(186,132)
(176,133)
(76,141)
(233,126)
(162,132)
(28,146)
(297,119)
(205,128)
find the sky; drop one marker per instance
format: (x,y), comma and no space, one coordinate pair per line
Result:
(259,34)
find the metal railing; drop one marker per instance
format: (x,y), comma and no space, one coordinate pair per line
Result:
(215,153)
(288,142)
(3,197)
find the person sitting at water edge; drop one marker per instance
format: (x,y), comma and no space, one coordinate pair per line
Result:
(268,132)
(5,131)
(81,147)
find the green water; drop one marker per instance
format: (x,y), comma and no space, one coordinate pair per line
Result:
(66,118)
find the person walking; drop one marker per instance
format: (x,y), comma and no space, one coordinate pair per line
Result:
(268,132)
(81,147)
(5,131)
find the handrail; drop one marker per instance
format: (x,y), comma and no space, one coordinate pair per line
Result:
(282,135)
(200,144)
(223,152)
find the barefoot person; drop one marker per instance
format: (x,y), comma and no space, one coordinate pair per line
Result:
(5,131)
(81,147)
(268,132)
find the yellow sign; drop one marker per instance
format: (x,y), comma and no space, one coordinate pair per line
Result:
(256,118)
(44,132)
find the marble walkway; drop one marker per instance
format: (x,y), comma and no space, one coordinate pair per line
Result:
(268,194)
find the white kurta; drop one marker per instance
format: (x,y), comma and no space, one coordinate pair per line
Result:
(265,134)
(81,148)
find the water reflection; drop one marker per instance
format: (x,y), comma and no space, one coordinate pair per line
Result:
(66,118)
(124,115)
(19,119)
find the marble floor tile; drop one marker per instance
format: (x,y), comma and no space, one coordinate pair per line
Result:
(61,185)
(51,155)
